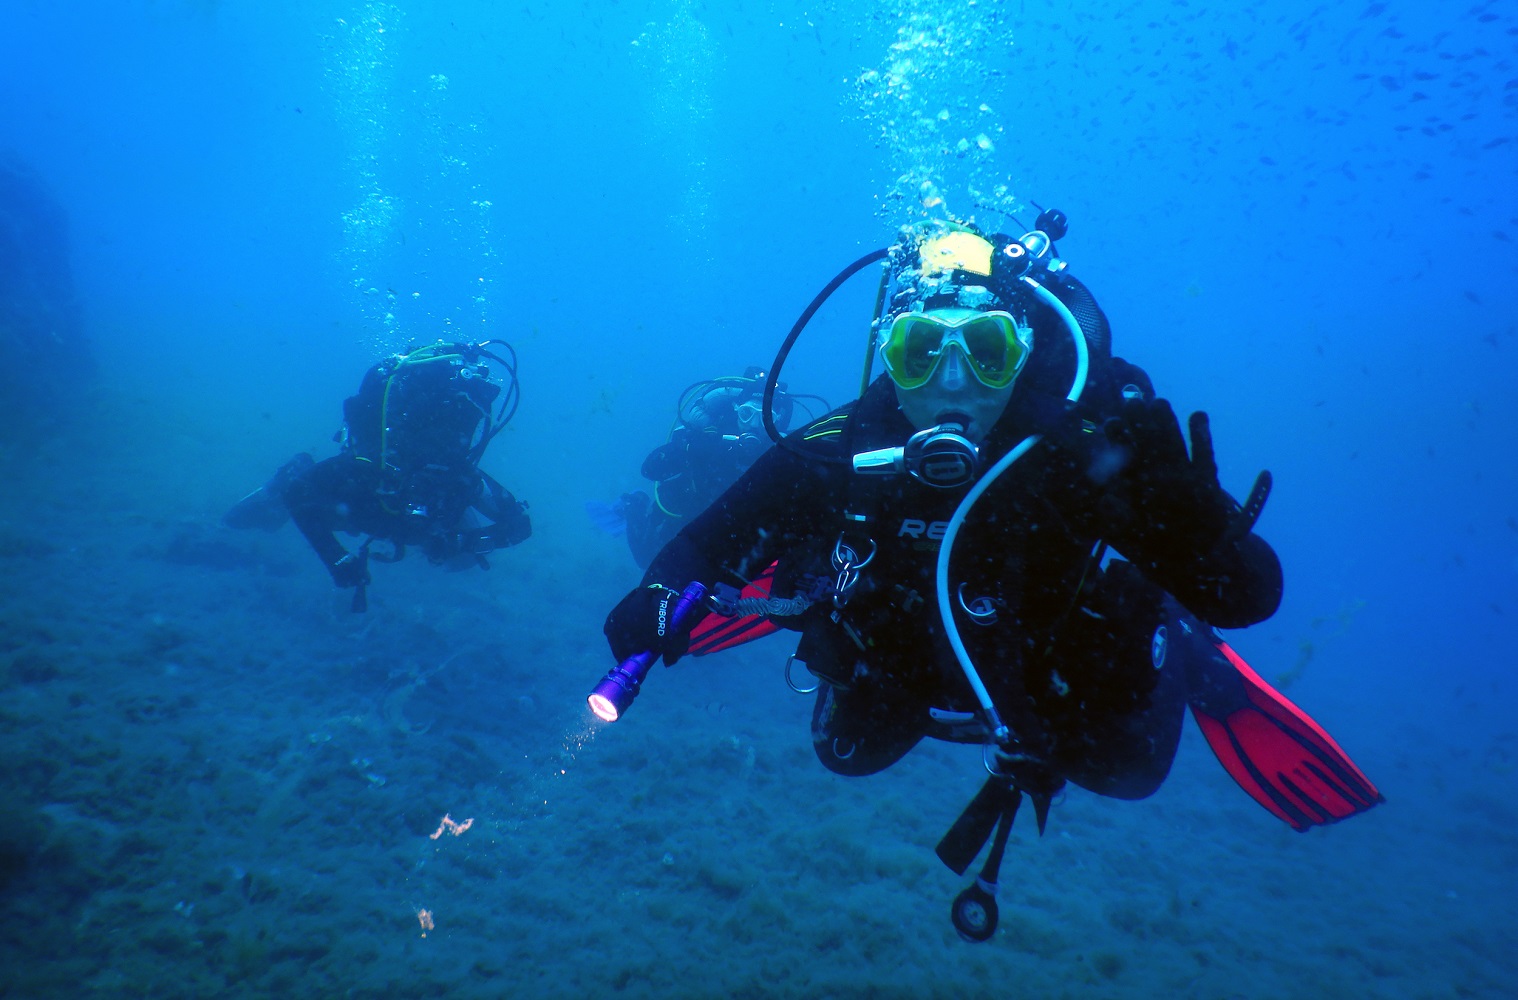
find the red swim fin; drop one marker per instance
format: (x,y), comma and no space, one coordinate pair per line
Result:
(1275,751)
(716,633)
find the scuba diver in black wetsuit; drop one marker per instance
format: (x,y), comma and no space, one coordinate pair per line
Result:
(718,433)
(945,547)
(408,471)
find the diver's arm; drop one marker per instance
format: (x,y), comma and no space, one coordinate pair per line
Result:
(311,497)
(509,522)
(1236,583)
(668,459)
(733,541)
(742,531)
(781,499)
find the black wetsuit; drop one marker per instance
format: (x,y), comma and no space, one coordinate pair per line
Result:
(454,515)
(409,469)
(1065,649)
(689,471)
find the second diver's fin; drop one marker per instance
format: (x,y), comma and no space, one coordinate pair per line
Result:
(264,508)
(260,509)
(1273,749)
(609,518)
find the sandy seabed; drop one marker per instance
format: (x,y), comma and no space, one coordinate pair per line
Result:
(218,781)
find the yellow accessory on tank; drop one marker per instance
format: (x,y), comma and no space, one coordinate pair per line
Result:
(958,250)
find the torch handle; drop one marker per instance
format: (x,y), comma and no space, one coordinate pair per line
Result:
(615,694)
(638,664)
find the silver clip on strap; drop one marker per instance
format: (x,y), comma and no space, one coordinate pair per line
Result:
(848,564)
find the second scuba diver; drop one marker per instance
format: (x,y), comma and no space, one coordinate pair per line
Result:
(408,472)
(945,546)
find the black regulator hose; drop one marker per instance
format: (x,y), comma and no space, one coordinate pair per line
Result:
(773,382)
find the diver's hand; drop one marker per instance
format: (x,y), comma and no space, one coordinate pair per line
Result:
(349,571)
(641,623)
(1172,497)
(707,447)
(748,448)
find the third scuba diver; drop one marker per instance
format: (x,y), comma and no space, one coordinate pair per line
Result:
(718,433)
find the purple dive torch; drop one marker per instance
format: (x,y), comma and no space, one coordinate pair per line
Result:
(615,694)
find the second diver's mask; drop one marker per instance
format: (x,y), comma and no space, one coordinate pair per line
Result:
(750,417)
(732,406)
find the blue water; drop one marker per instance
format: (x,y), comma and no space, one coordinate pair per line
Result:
(217,781)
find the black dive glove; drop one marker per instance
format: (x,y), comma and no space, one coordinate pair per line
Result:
(352,570)
(641,622)
(1165,498)
(748,448)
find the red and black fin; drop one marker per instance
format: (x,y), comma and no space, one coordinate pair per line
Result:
(716,633)
(1277,753)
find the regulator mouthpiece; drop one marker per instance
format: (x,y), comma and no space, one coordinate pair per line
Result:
(939,456)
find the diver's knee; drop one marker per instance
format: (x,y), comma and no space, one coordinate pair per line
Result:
(854,737)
